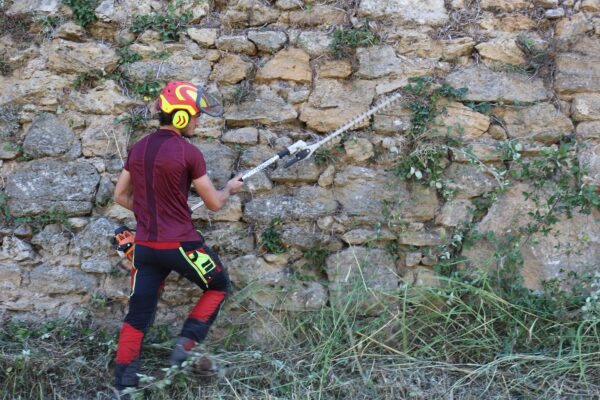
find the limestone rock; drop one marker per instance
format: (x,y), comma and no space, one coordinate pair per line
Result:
(313,43)
(53,240)
(106,99)
(435,237)
(174,68)
(289,64)
(268,41)
(17,250)
(72,57)
(318,16)
(103,137)
(231,69)
(428,12)
(236,44)
(544,255)
(219,161)
(33,6)
(555,13)
(590,157)
(420,205)
(576,74)
(334,102)
(49,137)
(363,236)
(268,109)
(354,188)
(304,236)
(206,37)
(503,50)
(306,171)
(71,31)
(337,69)
(425,277)
(38,186)
(459,47)
(484,150)
(250,269)
(288,5)
(541,122)
(484,84)
(574,25)
(326,177)
(259,183)
(232,211)
(255,155)
(455,213)
(468,181)
(394,119)
(42,86)
(462,121)
(247,135)
(249,13)
(588,130)
(11,276)
(418,43)
(307,203)
(362,279)
(304,296)
(230,239)
(50,279)
(378,62)
(592,6)
(586,107)
(505,5)
(359,149)
(94,241)
(9,121)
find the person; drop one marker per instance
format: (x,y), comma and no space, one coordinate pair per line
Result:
(154,184)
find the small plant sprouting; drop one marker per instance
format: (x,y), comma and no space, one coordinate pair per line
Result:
(83,11)
(345,40)
(271,238)
(127,56)
(168,25)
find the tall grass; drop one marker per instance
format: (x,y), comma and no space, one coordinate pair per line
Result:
(462,340)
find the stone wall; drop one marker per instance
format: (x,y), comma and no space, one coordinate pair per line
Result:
(62,146)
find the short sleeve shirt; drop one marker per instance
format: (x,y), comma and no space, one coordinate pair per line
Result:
(162,166)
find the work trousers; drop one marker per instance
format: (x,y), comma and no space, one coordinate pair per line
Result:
(152,263)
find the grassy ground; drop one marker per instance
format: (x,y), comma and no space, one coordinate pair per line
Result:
(465,340)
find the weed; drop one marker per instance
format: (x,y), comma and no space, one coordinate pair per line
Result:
(127,56)
(90,79)
(83,11)
(149,88)
(345,40)
(316,257)
(160,55)
(168,25)
(53,215)
(242,92)
(271,238)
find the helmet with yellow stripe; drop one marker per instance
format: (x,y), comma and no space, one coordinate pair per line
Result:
(184,100)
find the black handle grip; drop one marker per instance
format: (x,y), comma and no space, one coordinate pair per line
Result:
(283,153)
(301,155)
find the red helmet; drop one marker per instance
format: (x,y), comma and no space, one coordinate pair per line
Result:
(188,97)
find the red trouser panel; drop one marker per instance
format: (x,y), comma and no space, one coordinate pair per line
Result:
(208,305)
(130,342)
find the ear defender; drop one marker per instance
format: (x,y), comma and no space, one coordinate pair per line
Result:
(181,119)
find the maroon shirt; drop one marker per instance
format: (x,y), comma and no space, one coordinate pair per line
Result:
(162,166)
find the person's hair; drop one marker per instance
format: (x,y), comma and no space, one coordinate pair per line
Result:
(165,119)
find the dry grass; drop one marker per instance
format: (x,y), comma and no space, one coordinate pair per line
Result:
(462,341)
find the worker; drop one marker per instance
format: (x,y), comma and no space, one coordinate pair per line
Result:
(154,184)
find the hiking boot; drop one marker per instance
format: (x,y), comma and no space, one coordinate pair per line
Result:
(182,351)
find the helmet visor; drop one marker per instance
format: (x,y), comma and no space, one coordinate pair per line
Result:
(209,104)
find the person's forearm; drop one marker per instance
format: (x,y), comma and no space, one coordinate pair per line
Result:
(125,201)
(224,195)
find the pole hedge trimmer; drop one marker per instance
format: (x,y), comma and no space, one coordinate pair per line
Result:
(298,151)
